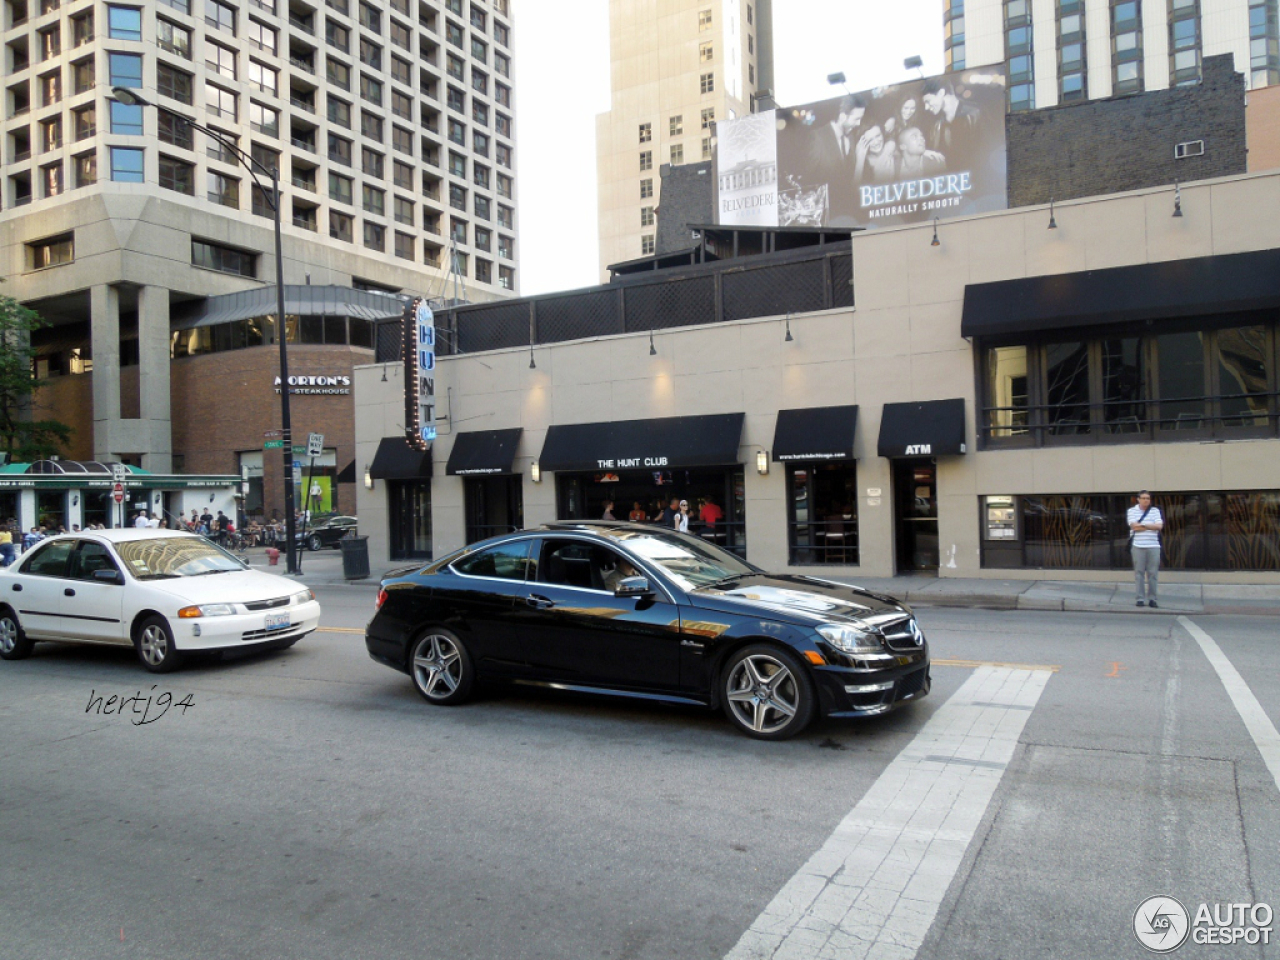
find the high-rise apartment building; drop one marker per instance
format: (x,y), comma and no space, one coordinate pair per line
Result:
(1060,51)
(676,68)
(392,124)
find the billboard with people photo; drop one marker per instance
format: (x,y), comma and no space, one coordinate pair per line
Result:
(902,154)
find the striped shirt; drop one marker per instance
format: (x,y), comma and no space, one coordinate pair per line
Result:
(1145,538)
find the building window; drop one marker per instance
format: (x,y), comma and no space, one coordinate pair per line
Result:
(401,36)
(261,36)
(126,120)
(338,73)
(506,278)
(706,148)
(375,236)
(480,176)
(177,175)
(51,179)
(484,271)
(264,119)
(84,123)
(503,155)
(457,197)
(220,103)
(483,207)
(677,153)
(216,149)
(506,217)
(707,83)
(404,245)
(502,94)
(82,29)
(1264,44)
(374,200)
(1184,42)
(1126,47)
(953,34)
(401,140)
(454,34)
(480,81)
(675,126)
(484,239)
(222,189)
(83,76)
(404,210)
(704,21)
(124,23)
(646,160)
(340,188)
(220,16)
(371,89)
(220,59)
(706,52)
(215,256)
(372,163)
(646,245)
(371,125)
(339,112)
(263,77)
(174,83)
(457,230)
(502,34)
(341,226)
(50,43)
(50,134)
(401,71)
(126,165)
(1072,68)
(174,130)
(52,252)
(708,117)
(646,216)
(172,38)
(86,166)
(646,188)
(1018,54)
(51,88)
(337,36)
(455,67)
(370,17)
(125,70)
(506,247)
(506,186)
(479,50)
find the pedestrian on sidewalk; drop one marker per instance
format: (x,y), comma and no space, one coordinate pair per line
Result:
(1145,524)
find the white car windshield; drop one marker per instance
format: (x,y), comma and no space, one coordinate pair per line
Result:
(175,557)
(690,562)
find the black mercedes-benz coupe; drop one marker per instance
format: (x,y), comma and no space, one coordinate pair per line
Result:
(640,611)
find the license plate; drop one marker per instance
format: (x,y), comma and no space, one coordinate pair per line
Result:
(277,621)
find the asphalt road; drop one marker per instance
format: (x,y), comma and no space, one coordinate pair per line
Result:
(310,805)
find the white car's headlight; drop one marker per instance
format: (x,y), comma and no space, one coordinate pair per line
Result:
(303,596)
(850,639)
(208,610)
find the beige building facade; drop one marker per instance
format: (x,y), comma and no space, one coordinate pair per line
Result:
(676,67)
(1022,481)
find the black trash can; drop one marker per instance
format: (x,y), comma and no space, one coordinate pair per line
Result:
(355,557)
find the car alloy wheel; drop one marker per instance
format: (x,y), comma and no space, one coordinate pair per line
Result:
(767,693)
(314,544)
(441,668)
(14,644)
(155,645)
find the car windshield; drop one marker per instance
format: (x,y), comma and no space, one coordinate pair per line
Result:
(689,561)
(175,557)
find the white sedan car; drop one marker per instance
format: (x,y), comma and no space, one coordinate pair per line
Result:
(162,591)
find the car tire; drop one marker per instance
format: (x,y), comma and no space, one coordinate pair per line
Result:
(767,693)
(441,668)
(154,642)
(314,544)
(14,643)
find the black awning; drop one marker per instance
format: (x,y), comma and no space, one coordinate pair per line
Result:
(348,473)
(483,452)
(396,460)
(706,441)
(818,433)
(928,428)
(1149,291)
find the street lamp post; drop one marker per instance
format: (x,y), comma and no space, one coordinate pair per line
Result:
(132,98)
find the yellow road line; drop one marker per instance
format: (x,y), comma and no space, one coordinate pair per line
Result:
(941,662)
(359,630)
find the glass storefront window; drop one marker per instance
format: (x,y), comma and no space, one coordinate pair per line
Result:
(1005,396)
(823,507)
(1067,388)
(1242,376)
(1180,380)
(494,505)
(409,504)
(1122,377)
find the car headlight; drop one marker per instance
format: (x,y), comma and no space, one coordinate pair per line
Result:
(303,596)
(849,639)
(207,610)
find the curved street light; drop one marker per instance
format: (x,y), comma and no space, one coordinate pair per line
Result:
(131,98)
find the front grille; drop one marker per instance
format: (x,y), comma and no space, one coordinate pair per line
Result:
(280,633)
(912,683)
(903,634)
(267,604)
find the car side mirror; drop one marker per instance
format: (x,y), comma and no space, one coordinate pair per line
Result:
(108,576)
(633,587)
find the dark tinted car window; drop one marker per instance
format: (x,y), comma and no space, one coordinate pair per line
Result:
(509,561)
(89,558)
(50,560)
(571,563)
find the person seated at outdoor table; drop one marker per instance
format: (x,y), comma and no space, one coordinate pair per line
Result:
(637,514)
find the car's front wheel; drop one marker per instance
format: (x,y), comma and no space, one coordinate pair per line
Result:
(14,644)
(767,693)
(314,543)
(156,649)
(441,668)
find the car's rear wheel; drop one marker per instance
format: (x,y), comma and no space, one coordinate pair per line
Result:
(767,693)
(314,543)
(156,650)
(14,643)
(441,667)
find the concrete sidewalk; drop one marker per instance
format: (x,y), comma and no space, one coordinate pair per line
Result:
(325,567)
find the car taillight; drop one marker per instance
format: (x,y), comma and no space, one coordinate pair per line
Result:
(382,598)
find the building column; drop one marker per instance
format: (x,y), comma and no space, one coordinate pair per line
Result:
(153,378)
(104,321)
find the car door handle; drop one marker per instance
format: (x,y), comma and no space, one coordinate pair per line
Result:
(539,602)
(17,587)
(68,592)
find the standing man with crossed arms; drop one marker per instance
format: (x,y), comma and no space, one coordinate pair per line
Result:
(1145,524)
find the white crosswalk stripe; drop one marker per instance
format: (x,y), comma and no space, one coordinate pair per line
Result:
(874,888)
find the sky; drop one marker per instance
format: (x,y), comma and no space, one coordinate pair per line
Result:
(562,83)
